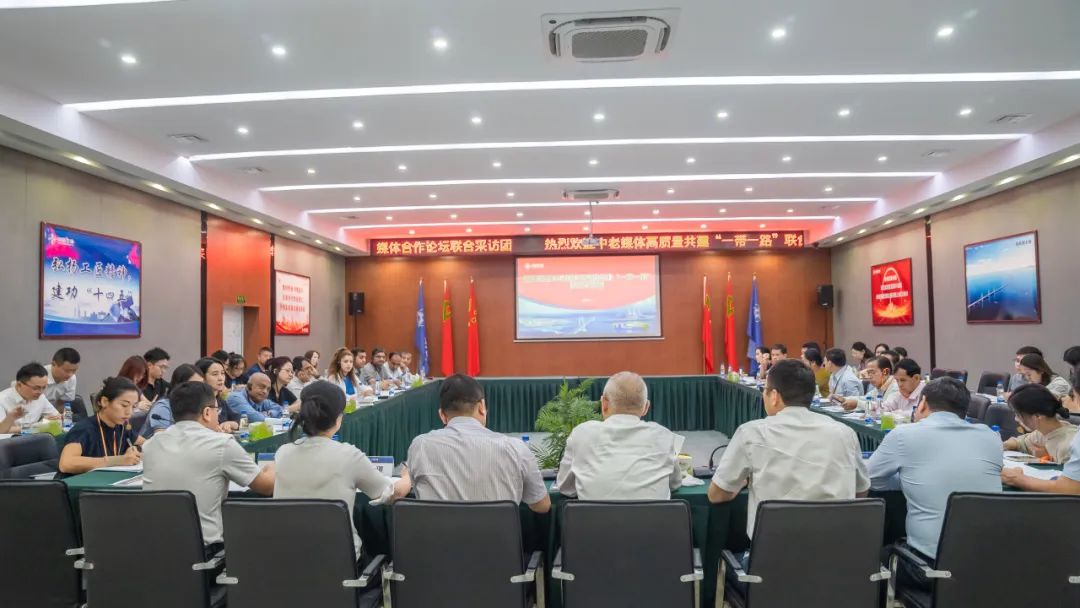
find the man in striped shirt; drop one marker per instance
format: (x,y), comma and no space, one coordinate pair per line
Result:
(467,462)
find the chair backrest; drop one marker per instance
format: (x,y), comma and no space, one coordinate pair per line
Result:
(306,544)
(977,407)
(937,372)
(1003,416)
(988,382)
(627,553)
(457,554)
(36,528)
(148,565)
(838,549)
(983,529)
(24,456)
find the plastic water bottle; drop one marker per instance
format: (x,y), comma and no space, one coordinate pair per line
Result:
(243,422)
(723,370)
(1001,391)
(525,438)
(68,417)
(336,437)
(996,429)
(879,406)
(741,374)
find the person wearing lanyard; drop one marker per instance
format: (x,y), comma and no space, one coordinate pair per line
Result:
(105,439)
(281,374)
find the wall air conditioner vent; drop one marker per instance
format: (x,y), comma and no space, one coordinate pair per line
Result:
(615,36)
(590,195)
(187,138)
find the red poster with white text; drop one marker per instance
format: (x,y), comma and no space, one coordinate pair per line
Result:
(890,293)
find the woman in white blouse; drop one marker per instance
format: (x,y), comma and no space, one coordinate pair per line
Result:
(1035,369)
(343,373)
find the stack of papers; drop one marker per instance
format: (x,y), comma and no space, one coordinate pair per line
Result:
(838,409)
(1045,474)
(134,468)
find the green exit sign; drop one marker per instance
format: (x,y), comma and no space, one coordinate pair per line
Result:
(241,300)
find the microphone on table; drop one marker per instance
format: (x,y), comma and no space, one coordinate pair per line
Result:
(708,471)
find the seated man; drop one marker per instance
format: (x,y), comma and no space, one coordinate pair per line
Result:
(909,384)
(778,352)
(842,379)
(261,365)
(253,400)
(812,358)
(408,377)
(1069,480)
(623,457)
(157,364)
(194,456)
(931,460)
(24,402)
(305,375)
(793,453)
(160,416)
(62,381)
(882,385)
(396,369)
(376,373)
(467,462)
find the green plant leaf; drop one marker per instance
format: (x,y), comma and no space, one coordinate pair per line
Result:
(569,408)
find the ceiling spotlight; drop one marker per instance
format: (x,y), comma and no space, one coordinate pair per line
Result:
(412,232)
(468,230)
(86,161)
(786,159)
(671,191)
(584,228)
(257,221)
(722,211)
(319,241)
(279,51)
(1007,180)
(433,196)
(527,229)
(1067,160)
(311,171)
(843,112)
(358,124)
(828,189)
(862,230)
(958,197)
(389,218)
(476,120)
(704,226)
(791,211)
(440,44)
(157,186)
(761,225)
(965,112)
(882,158)
(888,221)
(336,248)
(778,33)
(748,189)
(214,206)
(656,212)
(919,210)
(839,238)
(644,226)
(690,160)
(356,198)
(588,213)
(242,130)
(129,59)
(945,31)
(496,164)
(402,168)
(453,216)
(593,162)
(599,117)
(520,214)
(722,114)
(509,195)
(291,232)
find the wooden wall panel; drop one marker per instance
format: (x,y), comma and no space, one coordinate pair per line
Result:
(237,264)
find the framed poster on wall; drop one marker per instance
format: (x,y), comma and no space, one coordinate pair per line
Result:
(292,314)
(891,301)
(91,285)
(1001,280)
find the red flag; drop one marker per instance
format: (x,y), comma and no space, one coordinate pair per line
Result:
(447,333)
(706,327)
(729,326)
(473,365)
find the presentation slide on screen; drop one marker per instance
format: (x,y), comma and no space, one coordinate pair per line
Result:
(588,297)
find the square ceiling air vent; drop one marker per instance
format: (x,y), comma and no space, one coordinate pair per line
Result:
(187,138)
(609,36)
(1010,119)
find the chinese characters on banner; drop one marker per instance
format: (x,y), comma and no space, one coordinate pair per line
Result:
(890,293)
(612,243)
(292,303)
(90,284)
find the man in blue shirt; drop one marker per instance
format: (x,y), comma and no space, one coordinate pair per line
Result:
(260,366)
(253,400)
(930,460)
(842,379)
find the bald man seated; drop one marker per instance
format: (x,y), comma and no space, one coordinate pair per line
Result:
(253,400)
(623,457)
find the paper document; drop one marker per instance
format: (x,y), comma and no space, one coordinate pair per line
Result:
(679,441)
(1044,474)
(833,408)
(134,468)
(131,482)
(6,435)
(1010,455)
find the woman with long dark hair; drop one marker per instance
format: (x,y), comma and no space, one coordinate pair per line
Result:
(280,371)
(135,369)
(1040,412)
(1036,371)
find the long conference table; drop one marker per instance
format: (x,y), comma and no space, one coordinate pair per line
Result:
(681,403)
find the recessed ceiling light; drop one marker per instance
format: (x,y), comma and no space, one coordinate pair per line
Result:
(440,44)
(722,114)
(336,248)
(785,158)
(527,229)
(129,59)
(644,226)
(496,164)
(882,158)
(593,162)
(958,197)
(1067,160)
(584,228)
(214,206)
(690,160)
(468,230)
(704,226)
(433,196)
(722,210)
(389,218)
(291,232)
(919,210)
(311,171)
(402,168)
(242,130)
(453,216)
(656,212)
(843,112)
(412,231)
(965,112)
(671,191)
(86,161)
(889,221)
(358,124)
(748,189)
(356,198)
(791,211)
(476,120)
(839,238)
(157,186)
(509,195)
(257,221)
(520,214)
(778,33)
(1007,180)
(828,188)
(318,241)
(761,225)
(862,230)
(945,31)
(588,213)
(599,117)
(279,50)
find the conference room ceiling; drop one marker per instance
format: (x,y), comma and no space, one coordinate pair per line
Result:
(337,117)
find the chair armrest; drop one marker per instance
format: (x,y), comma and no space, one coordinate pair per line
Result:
(734,565)
(210,564)
(907,555)
(367,575)
(388,574)
(75,551)
(535,561)
(225,579)
(698,573)
(557,571)
(882,574)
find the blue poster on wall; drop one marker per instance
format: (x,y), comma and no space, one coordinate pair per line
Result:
(90,285)
(1002,277)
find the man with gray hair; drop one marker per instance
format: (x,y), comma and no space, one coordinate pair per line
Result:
(623,457)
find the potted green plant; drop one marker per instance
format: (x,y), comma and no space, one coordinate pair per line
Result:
(569,408)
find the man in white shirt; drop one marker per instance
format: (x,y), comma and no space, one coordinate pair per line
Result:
(843,381)
(61,375)
(194,455)
(909,387)
(793,453)
(623,457)
(879,371)
(24,403)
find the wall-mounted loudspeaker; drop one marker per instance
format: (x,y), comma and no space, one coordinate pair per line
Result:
(356,302)
(825,296)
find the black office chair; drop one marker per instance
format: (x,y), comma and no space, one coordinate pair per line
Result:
(308,543)
(835,563)
(988,382)
(453,554)
(161,563)
(25,456)
(628,553)
(983,529)
(1002,416)
(39,542)
(977,408)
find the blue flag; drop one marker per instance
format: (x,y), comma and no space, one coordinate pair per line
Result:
(421,335)
(753,328)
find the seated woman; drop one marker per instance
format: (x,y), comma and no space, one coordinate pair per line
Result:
(1035,369)
(1069,480)
(104,439)
(281,374)
(764,360)
(316,466)
(313,356)
(161,416)
(235,365)
(135,369)
(213,374)
(341,372)
(1039,411)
